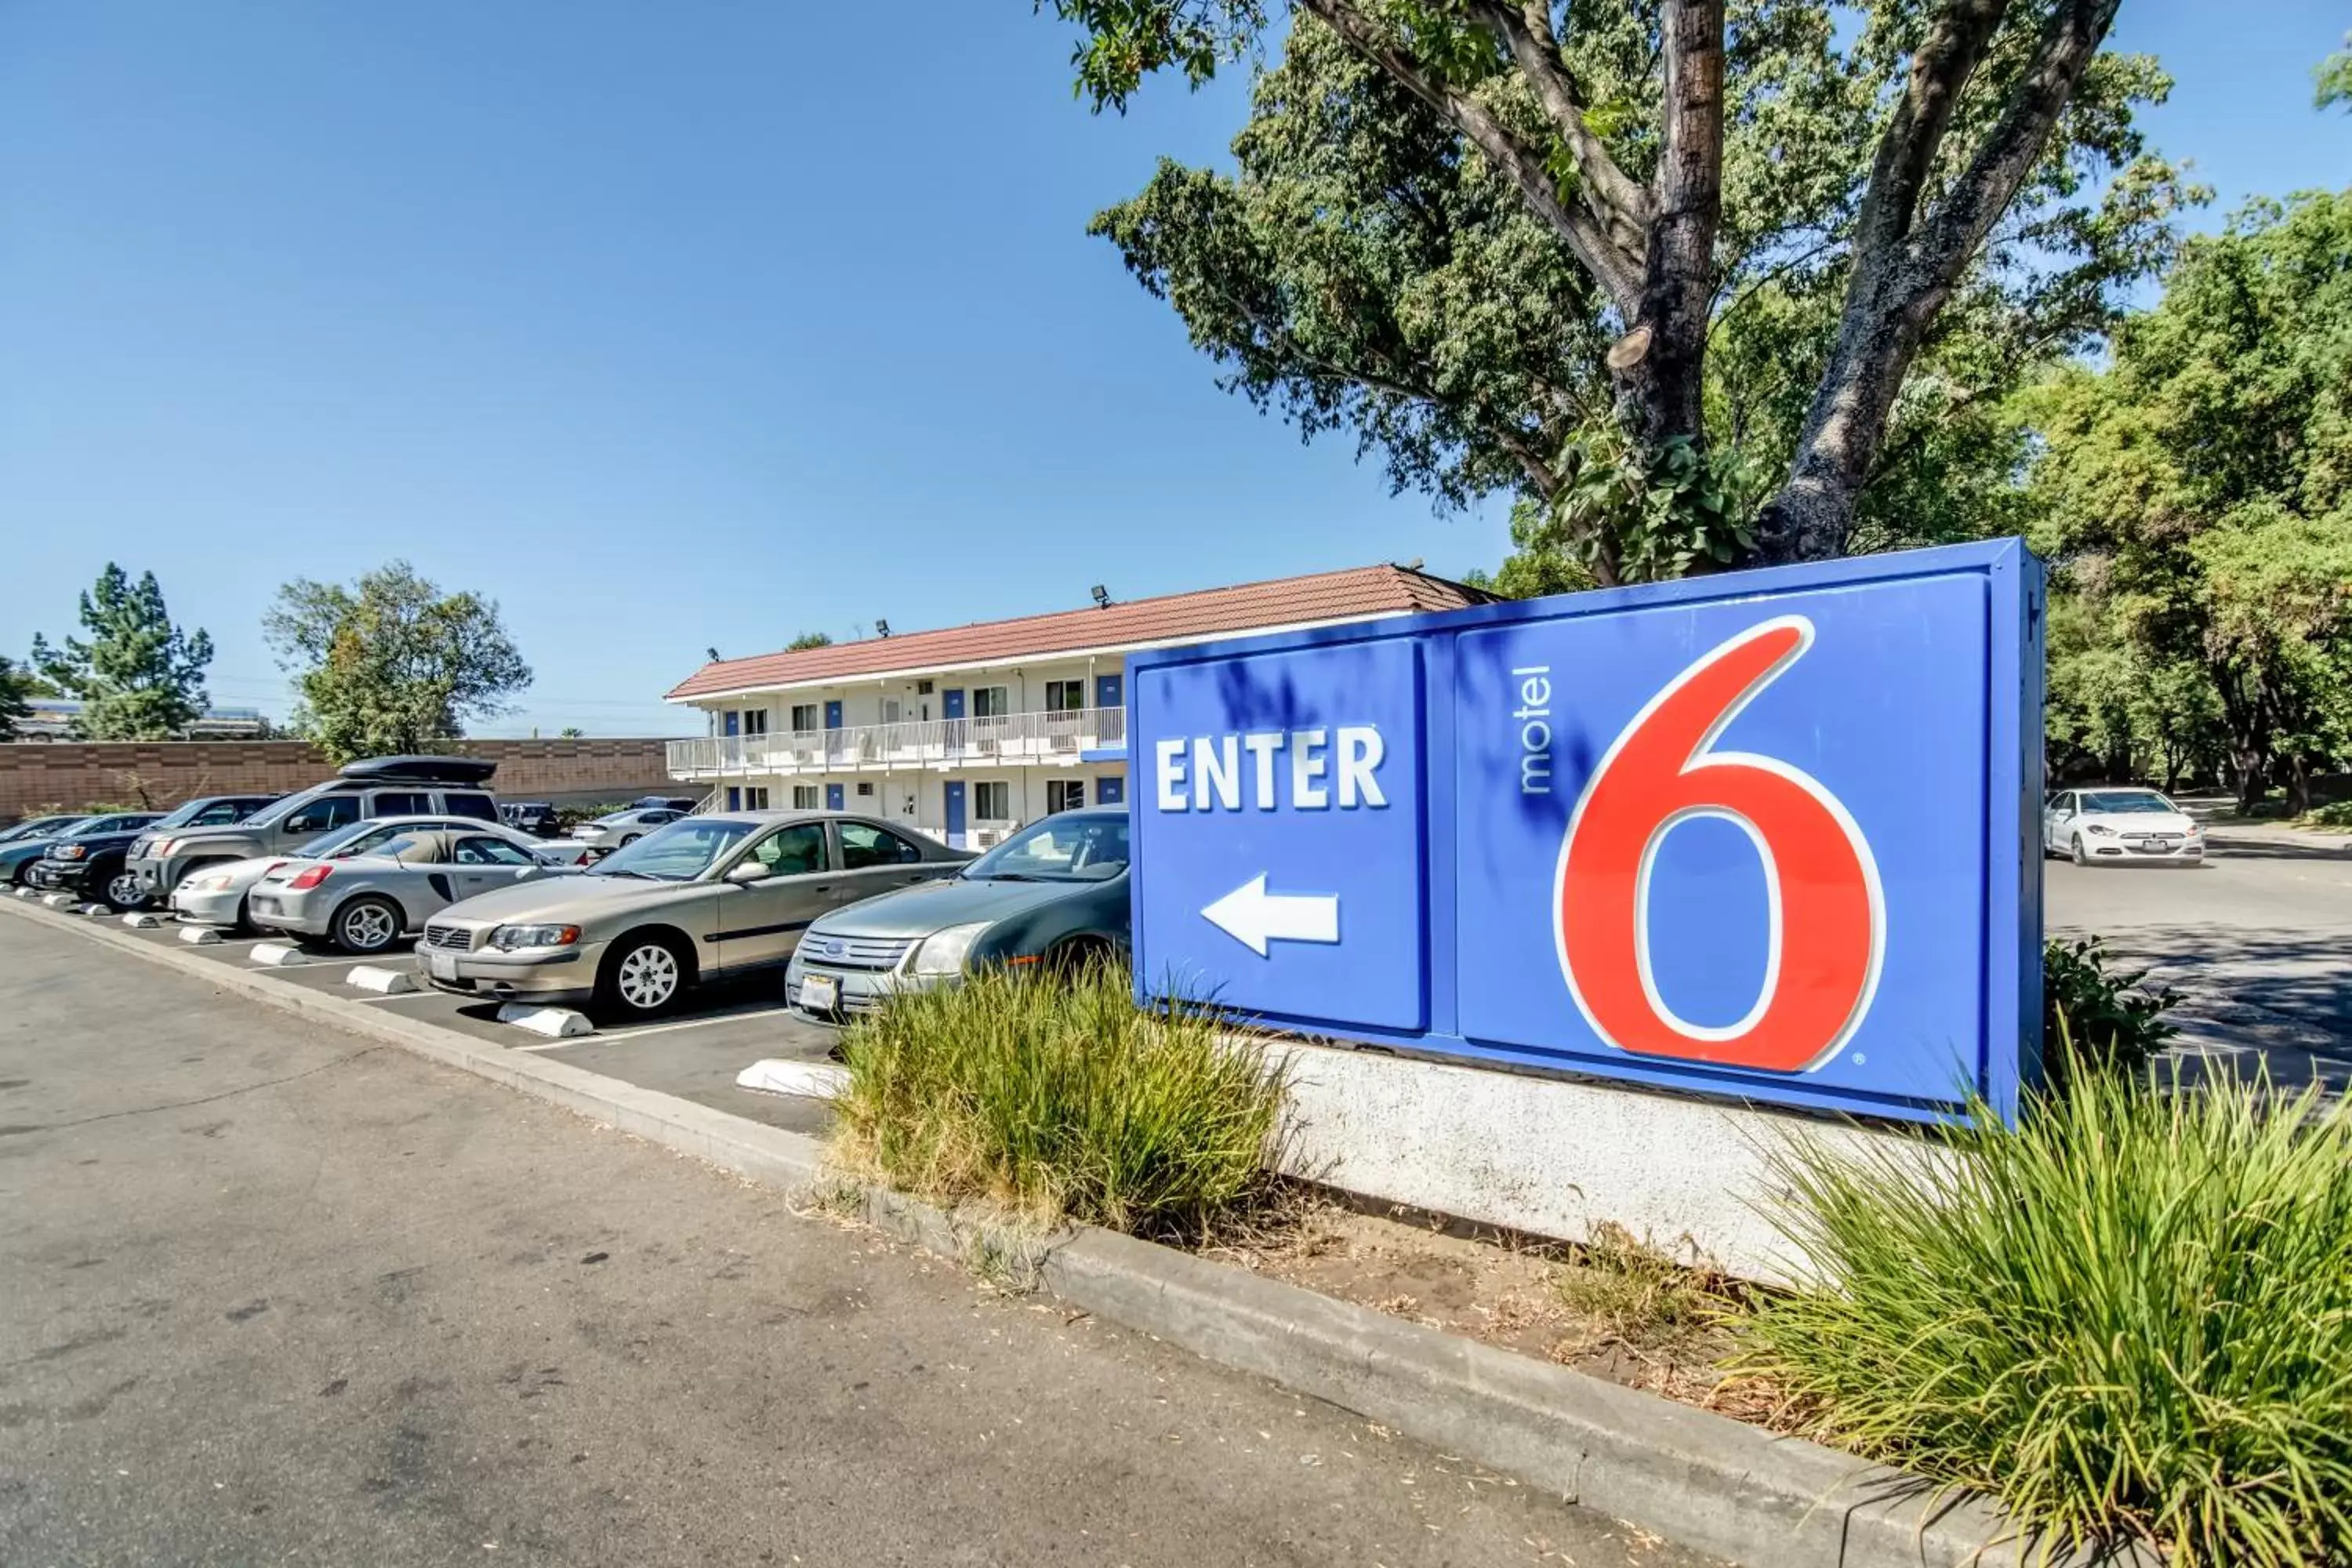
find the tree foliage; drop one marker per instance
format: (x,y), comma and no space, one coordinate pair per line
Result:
(138,677)
(392,664)
(809,640)
(1590,196)
(2197,493)
(2333,76)
(13,690)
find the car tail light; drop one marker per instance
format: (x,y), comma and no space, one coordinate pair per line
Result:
(311,878)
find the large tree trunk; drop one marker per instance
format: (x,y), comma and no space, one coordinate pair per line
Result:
(1660,365)
(1905,262)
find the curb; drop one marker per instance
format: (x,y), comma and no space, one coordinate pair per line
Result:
(1705,1481)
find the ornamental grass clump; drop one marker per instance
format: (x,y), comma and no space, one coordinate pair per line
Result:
(2129,1317)
(1060,1099)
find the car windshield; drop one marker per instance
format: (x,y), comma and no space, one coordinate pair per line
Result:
(679,852)
(40,828)
(1058,850)
(190,811)
(2126,800)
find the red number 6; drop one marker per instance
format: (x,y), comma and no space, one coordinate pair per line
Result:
(1828,919)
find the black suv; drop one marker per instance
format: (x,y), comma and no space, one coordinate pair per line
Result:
(96,866)
(536,818)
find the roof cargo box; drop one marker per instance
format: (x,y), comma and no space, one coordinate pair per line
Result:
(420,770)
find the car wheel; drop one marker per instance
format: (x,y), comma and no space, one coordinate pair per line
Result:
(2079,857)
(1075,957)
(124,892)
(643,975)
(367,924)
(627,839)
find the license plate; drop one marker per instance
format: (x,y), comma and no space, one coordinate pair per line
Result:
(2162,846)
(267,906)
(441,965)
(820,993)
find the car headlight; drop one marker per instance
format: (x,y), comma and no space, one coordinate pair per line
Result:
(947,952)
(506,939)
(218,882)
(2098,832)
(70,851)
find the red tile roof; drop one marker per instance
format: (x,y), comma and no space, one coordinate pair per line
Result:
(1356,592)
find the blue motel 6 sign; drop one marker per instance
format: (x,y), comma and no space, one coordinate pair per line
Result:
(1769,836)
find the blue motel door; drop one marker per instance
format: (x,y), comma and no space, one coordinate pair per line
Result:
(955,814)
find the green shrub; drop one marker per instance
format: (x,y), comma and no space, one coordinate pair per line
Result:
(2095,1022)
(1061,1100)
(2132,1317)
(2336,814)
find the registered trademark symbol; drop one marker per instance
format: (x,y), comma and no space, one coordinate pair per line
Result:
(1859,1058)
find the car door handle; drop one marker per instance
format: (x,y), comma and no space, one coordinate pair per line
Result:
(822,888)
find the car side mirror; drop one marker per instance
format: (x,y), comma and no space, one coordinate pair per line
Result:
(748,872)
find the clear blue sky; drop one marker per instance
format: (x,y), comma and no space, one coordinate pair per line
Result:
(682,325)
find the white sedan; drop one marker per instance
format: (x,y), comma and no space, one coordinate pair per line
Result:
(623,827)
(2095,825)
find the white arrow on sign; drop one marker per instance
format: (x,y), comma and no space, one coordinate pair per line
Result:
(1253,916)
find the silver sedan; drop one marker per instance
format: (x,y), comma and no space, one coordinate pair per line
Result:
(364,903)
(214,895)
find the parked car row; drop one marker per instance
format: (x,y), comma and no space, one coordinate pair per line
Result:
(626,915)
(850,907)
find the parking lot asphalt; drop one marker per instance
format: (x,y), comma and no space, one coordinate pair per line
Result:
(2258,943)
(270,1291)
(693,1053)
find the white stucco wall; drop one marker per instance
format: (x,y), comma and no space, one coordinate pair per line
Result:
(1556,1157)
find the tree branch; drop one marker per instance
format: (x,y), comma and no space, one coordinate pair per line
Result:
(1618,271)
(1615,198)
(1946,59)
(1989,184)
(1904,268)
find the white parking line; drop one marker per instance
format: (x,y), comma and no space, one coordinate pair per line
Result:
(643,1029)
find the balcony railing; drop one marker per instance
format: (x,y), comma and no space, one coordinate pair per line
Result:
(1012,738)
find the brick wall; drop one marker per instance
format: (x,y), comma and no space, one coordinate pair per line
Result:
(163,773)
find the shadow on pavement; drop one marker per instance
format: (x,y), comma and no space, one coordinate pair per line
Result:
(2323,846)
(2280,997)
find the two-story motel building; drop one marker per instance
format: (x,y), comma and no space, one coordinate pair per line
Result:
(967,733)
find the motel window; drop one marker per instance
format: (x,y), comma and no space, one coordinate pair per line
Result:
(755,720)
(1064,795)
(755,798)
(805,797)
(990,702)
(1065,696)
(807,719)
(992,802)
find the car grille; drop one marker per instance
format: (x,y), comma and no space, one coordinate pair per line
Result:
(456,937)
(855,952)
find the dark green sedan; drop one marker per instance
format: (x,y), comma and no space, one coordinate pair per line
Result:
(1054,894)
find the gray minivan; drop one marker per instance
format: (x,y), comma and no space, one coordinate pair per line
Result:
(370,787)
